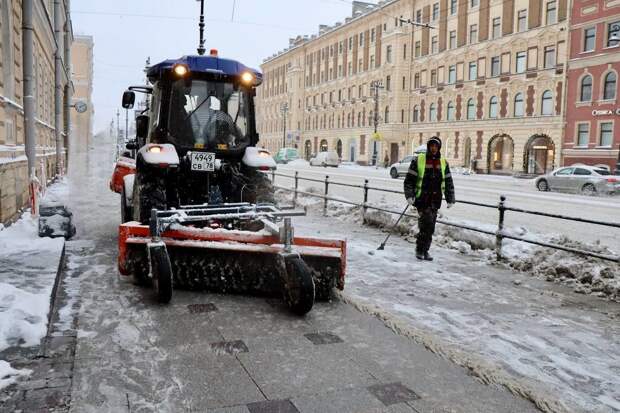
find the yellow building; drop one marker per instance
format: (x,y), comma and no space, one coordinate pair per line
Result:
(13,163)
(486,76)
(82,77)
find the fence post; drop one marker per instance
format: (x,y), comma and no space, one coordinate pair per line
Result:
(364,207)
(500,227)
(326,192)
(296,187)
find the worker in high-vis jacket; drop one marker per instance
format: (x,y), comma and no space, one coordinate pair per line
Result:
(428,181)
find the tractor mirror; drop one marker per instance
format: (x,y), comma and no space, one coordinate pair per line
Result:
(142,126)
(132,145)
(129,98)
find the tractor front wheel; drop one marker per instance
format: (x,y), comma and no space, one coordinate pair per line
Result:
(299,289)
(161,269)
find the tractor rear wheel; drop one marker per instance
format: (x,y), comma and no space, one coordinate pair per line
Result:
(259,189)
(299,287)
(161,269)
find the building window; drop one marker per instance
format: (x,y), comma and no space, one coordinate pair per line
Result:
(452,74)
(372,35)
(552,14)
(386,118)
(433,77)
(474,3)
(495,66)
(549,58)
(350,68)
(416,81)
(585,94)
(473,70)
(434,45)
(519,108)
(418,16)
(417,49)
(609,86)
(547,103)
(404,82)
(432,113)
(471,109)
(520,62)
(450,112)
(435,11)
(497,28)
(388,54)
(453,6)
(613,34)
(416,114)
(473,33)
(405,51)
(583,134)
(493,107)
(606,134)
(360,65)
(372,61)
(521,20)
(589,39)
(452,44)
(350,43)
(388,83)
(361,36)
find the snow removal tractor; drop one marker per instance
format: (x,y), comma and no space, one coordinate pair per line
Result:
(198,211)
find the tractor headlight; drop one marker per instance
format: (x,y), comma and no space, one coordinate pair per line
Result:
(180,70)
(247,78)
(154,149)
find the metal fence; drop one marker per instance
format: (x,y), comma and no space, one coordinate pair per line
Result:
(500,234)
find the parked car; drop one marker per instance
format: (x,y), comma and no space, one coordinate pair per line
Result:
(587,180)
(329,158)
(285,155)
(400,168)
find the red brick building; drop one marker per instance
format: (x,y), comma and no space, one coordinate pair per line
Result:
(592,134)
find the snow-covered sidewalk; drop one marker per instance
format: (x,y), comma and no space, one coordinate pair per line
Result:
(28,269)
(511,327)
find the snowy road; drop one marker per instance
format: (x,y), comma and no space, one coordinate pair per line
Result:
(486,189)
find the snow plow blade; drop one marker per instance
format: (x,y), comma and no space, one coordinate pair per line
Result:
(234,261)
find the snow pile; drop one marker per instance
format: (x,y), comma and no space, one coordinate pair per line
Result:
(583,275)
(9,375)
(298,162)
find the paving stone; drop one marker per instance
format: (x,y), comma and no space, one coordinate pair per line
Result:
(45,399)
(355,400)
(201,308)
(229,347)
(273,406)
(59,382)
(32,384)
(392,393)
(323,338)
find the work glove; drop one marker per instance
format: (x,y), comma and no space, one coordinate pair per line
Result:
(411,201)
(450,205)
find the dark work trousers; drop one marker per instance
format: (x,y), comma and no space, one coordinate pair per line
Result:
(426,227)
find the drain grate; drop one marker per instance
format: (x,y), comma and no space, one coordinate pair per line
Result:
(229,347)
(201,308)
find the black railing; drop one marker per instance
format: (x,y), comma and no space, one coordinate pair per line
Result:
(500,234)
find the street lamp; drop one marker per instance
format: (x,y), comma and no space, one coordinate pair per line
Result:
(375,85)
(284,110)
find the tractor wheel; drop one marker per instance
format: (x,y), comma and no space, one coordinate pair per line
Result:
(149,192)
(259,189)
(299,286)
(126,213)
(162,273)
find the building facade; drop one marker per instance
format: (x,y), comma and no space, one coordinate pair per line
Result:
(82,67)
(14,185)
(593,109)
(487,76)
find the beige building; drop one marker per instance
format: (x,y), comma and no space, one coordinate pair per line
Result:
(486,76)
(82,75)
(13,165)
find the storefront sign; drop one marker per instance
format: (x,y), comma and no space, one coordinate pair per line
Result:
(606,112)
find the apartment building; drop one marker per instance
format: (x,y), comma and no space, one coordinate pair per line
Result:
(487,76)
(593,112)
(14,191)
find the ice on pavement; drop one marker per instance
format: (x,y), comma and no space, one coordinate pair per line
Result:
(557,348)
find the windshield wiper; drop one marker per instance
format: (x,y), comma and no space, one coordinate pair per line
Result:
(197,107)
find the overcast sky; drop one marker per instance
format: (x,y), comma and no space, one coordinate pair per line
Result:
(126,32)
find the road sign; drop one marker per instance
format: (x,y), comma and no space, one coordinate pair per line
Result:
(377,136)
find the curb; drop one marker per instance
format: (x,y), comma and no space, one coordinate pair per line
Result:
(50,313)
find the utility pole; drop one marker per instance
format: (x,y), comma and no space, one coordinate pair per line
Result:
(375,85)
(284,110)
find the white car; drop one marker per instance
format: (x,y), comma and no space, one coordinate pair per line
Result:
(329,158)
(400,168)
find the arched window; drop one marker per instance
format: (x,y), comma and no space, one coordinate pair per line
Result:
(547,103)
(371,118)
(493,107)
(416,114)
(609,87)
(348,120)
(471,109)
(338,122)
(386,118)
(359,119)
(519,109)
(323,147)
(432,113)
(586,89)
(450,114)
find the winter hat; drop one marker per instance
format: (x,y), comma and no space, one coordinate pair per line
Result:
(433,139)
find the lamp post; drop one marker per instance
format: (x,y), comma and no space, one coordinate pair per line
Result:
(284,110)
(375,85)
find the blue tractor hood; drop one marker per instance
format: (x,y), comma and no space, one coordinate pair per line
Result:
(204,64)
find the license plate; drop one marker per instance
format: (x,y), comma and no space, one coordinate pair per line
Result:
(203,161)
